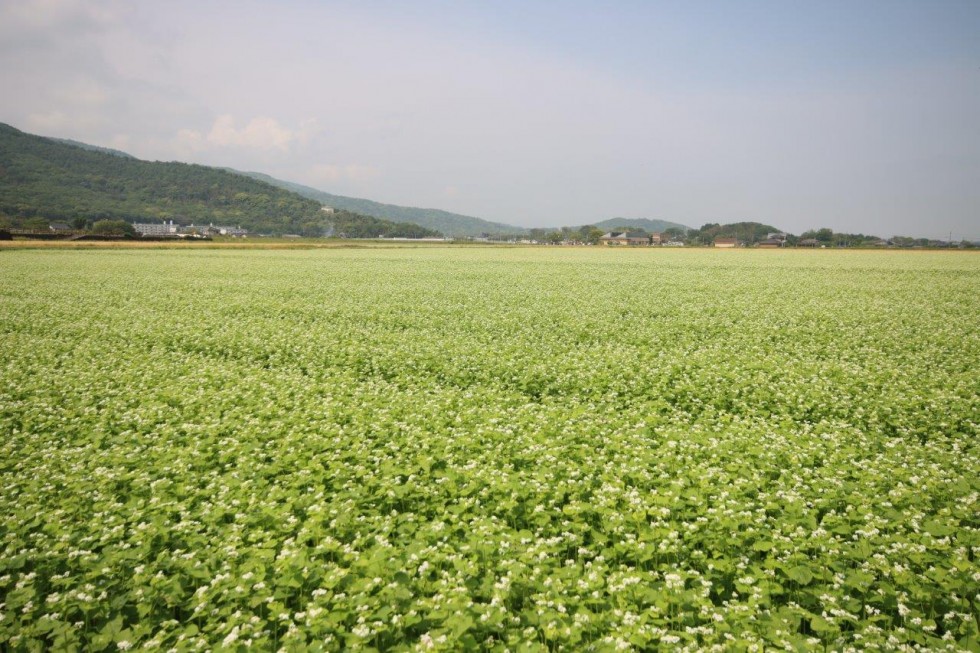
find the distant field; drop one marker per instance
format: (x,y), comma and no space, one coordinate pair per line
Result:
(441,448)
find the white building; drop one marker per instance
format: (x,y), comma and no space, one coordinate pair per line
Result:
(155,229)
(172,229)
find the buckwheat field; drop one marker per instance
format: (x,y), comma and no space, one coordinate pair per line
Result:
(489,449)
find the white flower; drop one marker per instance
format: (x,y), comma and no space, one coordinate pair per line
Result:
(231,638)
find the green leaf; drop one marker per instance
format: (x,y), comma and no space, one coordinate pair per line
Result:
(938,528)
(801,574)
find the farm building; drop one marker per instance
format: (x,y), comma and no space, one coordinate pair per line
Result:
(634,238)
(770,243)
(808,242)
(157,229)
(726,242)
(236,232)
(172,229)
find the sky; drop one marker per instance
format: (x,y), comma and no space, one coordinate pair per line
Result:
(859,115)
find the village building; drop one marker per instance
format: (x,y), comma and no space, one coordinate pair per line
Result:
(726,242)
(157,229)
(771,243)
(631,238)
(234,232)
(177,230)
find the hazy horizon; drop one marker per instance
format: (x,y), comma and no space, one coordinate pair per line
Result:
(861,117)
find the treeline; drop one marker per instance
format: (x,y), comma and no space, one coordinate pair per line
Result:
(347,224)
(43,180)
(747,234)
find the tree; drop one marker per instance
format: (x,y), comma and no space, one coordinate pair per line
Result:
(590,234)
(823,235)
(113,228)
(538,234)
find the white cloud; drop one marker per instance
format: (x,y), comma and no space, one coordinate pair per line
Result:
(260,133)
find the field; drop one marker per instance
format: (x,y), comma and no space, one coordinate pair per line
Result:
(497,449)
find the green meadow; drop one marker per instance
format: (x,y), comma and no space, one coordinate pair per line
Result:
(487,448)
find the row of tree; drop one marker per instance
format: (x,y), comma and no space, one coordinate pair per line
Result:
(746,233)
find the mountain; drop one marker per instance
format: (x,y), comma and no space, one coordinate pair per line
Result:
(451,224)
(45,179)
(653,226)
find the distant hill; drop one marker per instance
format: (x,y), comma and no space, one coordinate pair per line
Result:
(653,226)
(48,179)
(451,224)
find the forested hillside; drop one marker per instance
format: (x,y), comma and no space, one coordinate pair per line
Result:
(652,226)
(451,224)
(44,179)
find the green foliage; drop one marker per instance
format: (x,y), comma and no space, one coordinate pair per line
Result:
(589,234)
(34,224)
(828,237)
(747,232)
(352,225)
(638,224)
(487,448)
(43,179)
(113,228)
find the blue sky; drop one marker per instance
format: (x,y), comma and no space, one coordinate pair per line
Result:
(859,116)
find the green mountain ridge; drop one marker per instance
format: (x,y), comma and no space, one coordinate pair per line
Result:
(50,179)
(450,224)
(640,223)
